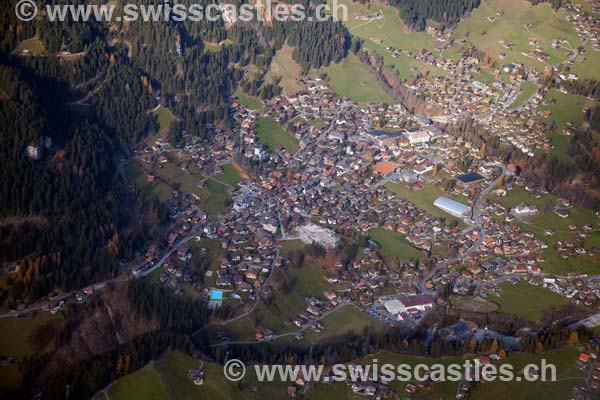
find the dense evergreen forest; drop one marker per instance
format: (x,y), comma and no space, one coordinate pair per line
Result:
(448,12)
(59,163)
(556,4)
(62,209)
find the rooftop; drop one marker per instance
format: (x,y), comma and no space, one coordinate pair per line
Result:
(471,177)
(452,206)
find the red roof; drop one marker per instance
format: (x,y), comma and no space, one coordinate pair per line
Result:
(385,167)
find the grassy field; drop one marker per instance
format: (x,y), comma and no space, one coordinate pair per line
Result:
(526,301)
(567,376)
(216,252)
(389,30)
(174,176)
(167,379)
(567,108)
(343,79)
(588,68)
(424,199)
(250,102)
(28,336)
(230,175)
(394,244)
(274,136)
(216,203)
(519,21)
(144,384)
(527,90)
(21,337)
(288,246)
(313,122)
(285,67)
(519,195)
(165,119)
(473,303)
(559,144)
(341,321)
(305,281)
(555,264)
(137,176)
(214,47)
(173,370)
(388,27)
(336,391)
(34,45)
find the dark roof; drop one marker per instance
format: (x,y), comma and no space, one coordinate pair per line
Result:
(416,300)
(468,178)
(379,132)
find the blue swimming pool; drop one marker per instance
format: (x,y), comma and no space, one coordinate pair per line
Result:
(216,294)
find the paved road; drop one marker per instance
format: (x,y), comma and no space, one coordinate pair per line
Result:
(99,285)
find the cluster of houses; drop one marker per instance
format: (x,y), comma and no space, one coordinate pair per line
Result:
(460,92)
(492,103)
(316,309)
(589,360)
(586,24)
(341,157)
(337,183)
